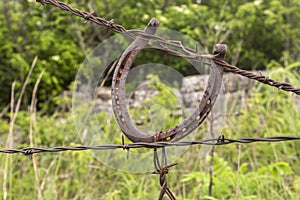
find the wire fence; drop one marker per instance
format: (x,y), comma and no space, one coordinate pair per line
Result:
(189,53)
(222,140)
(161,166)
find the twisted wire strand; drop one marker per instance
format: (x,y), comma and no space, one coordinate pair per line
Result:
(164,43)
(214,141)
(263,79)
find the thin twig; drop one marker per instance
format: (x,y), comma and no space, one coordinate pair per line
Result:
(13,116)
(238,170)
(32,131)
(212,154)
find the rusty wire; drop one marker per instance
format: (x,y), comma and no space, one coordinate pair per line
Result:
(164,43)
(214,141)
(162,168)
(260,78)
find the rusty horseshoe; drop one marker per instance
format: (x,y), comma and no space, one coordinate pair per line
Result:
(188,125)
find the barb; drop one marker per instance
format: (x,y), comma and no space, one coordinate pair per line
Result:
(164,43)
(215,141)
(163,169)
(87,16)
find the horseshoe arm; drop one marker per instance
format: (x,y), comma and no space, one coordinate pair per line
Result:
(118,86)
(209,98)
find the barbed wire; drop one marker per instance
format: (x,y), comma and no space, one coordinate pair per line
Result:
(189,53)
(261,78)
(214,141)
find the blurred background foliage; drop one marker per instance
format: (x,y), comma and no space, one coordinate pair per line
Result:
(256,32)
(259,34)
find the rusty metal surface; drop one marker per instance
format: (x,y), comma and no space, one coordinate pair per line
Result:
(189,124)
(118,87)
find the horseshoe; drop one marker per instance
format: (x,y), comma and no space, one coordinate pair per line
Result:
(187,126)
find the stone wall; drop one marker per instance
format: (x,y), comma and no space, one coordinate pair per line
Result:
(235,89)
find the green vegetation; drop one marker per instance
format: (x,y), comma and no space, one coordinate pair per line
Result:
(259,34)
(256,32)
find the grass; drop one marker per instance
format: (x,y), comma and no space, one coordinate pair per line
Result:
(252,171)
